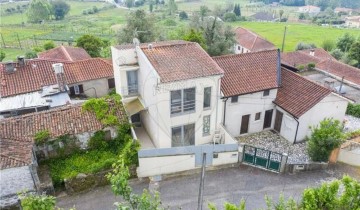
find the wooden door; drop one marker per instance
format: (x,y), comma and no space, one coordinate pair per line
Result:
(278,121)
(244,124)
(268,118)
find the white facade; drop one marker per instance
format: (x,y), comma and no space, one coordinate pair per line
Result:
(248,104)
(309,9)
(238,49)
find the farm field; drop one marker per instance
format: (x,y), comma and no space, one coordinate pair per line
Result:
(295,33)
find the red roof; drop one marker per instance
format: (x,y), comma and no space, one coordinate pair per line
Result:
(252,41)
(298,95)
(248,72)
(339,69)
(181,61)
(304,57)
(38,73)
(16,133)
(154,44)
(65,53)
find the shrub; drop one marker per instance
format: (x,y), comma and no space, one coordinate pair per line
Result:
(170,22)
(38,202)
(41,136)
(353,109)
(328,45)
(311,66)
(230,17)
(304,46)
(324,139)
(337,54)
(49,45)
(183,15)
(97,141)
(30,54)
(301,67)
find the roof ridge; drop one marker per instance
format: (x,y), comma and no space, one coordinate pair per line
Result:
(242,54)
(66,52)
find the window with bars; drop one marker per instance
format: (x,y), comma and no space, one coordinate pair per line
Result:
(206,125)
(182,101)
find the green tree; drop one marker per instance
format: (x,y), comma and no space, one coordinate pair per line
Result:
(38,10)
(139,25)
(302,16)
(304,46)
(344,42)
(354,52)
(337,54)
(324,139)
(49,45)
(91,44)
(197,37)
(2,55)
(230,17)
(328,45)
(151,6)
(172,7)
(281,13)
(30,55)
(204,10)
(183,15)
(60,9)
(237,10)
(129,3)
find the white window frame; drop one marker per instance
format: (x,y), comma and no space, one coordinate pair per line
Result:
(76,89)
(180,104)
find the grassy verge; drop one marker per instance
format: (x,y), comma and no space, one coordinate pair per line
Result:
(11,54)
(295,33)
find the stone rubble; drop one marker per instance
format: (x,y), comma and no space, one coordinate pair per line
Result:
(351,123)
(267,140)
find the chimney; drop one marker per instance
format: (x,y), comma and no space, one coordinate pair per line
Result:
(150,46)
(60,76)
(21,61)
(278,71)
(10,67)
(312,52)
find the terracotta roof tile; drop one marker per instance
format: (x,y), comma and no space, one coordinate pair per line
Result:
(154,44)
(252,41)
(248,72)
(181,61)
(339,69)
(38,73)
(16,133)
(297,95)
(65,53)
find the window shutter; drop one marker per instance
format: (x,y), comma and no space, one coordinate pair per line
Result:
(81,89)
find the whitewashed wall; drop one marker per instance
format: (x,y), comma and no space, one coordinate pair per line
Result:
(240,50)
(100,85)
(288,125)
(249,104)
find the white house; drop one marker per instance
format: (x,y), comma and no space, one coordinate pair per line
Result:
(248,41)
(258,94)
(178,85)
(352,22)
(313,10)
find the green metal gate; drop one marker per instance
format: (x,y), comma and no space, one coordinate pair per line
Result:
(262,158)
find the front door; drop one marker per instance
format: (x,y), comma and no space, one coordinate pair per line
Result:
(278,121)
(268,118)
(244,124)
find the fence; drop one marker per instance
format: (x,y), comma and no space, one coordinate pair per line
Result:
(350,153)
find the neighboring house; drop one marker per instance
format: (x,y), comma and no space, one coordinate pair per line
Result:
(352,22)
(18,166)
(312,10)
(177,83)
(248,41)
(304,57)
(263,17)
(258,94)
(65,53)
(343,10)
(40,84)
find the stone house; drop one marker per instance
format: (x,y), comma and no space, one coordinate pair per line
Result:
(248,41)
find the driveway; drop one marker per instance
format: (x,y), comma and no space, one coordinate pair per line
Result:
(222,185)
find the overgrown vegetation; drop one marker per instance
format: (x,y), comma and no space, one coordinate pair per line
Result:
(39,202)
(41,137)
(324,139)
(353,109)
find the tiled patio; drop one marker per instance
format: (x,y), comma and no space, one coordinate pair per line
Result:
(144,138)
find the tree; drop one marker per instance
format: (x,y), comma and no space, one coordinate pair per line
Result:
(304,46)
(354,52)
(30,55)
(344,42)
(2,55)
(328,45)
(324,139)
(302,16)
(183,15)
(337,54)
(139,25)
(197,37)
(38,10)
(172,7)
(237,10)
(129,3)
(281,13)
(151,6)
(230,17)
(204,10)
(49,45)
(60,9)
(91,44)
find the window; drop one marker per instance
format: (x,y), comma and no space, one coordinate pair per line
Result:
(207,97)
(239,47)
(266,93)
(76,90)
(183,135)
(111,83)
(206,125)
(182,100)
(257,116)
(234,99)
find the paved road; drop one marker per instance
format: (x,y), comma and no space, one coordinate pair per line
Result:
(223,185)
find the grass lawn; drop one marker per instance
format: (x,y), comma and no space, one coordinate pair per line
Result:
(295,33)
(11,54)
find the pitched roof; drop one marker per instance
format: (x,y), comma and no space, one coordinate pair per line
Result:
(304,57)
(264,16)
(38,73)
(339,69)
(16,133)
(65,53)
(154,44)
(248,72)
(251,40)
(181,61)
(297,94)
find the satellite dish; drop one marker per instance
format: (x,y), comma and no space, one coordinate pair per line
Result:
(136,41)
(120,61)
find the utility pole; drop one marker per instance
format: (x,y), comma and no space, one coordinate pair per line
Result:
(201,188)
(341,85)
(283,42)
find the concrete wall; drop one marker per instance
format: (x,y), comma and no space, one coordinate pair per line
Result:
(350,153)
(100,85)
(248,104)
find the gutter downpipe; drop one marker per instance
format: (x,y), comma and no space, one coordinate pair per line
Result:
(297,128)
(224,111)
